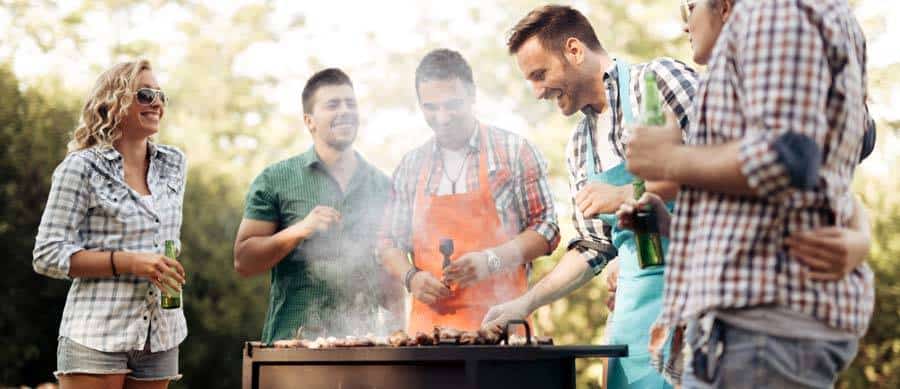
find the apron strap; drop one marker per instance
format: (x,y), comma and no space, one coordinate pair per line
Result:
(623,70)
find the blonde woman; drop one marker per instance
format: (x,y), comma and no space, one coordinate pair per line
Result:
(114,200)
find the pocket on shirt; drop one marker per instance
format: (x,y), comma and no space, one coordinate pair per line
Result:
(172,188)
(112,198)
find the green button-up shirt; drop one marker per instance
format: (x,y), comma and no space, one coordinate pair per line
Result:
(330,284)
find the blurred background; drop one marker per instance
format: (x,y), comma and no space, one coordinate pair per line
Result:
(234,71)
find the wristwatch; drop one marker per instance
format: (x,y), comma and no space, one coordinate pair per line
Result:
(493,261)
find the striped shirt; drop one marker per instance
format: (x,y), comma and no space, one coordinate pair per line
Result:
(90,207)
(779,68)
(676,83)
(331,283)
(518,181)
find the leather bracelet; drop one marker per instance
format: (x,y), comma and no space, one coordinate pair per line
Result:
(112,264)
(408,278)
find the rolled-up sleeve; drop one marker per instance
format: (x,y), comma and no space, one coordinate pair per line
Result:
(535,195)
(786,103)
(589,242)
(58,236)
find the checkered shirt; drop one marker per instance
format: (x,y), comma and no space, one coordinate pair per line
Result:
(517,175)
(779,67)
(90,207)
(676,83)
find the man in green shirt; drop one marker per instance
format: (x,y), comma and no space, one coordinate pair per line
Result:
(311,220)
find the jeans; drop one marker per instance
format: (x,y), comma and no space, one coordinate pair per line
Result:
(730,357)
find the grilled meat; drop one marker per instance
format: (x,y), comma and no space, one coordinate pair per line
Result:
(399,339)
(446,335)
(440,336)
(423,339)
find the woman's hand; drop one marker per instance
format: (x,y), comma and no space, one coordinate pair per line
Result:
(830,252)
(164,272)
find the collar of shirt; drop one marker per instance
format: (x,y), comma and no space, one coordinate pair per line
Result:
(474,146)
(310,160)
(110,153)
(611,81)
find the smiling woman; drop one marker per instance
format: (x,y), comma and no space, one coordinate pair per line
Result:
(114,199)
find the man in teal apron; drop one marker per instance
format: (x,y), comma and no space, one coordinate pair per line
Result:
(559,54)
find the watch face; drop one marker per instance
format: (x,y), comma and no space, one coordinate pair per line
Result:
(493,262)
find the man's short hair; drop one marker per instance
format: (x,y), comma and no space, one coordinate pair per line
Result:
(553,24)
(330,76)
(444,64)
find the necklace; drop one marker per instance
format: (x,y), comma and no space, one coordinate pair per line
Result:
(458,172)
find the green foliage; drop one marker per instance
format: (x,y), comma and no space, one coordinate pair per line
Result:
(877,364)
(33,132)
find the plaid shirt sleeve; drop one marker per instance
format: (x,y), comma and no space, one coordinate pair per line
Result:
(586,230)
(535,196)
(396,230)
(783,98)
(677,84)
(58,239)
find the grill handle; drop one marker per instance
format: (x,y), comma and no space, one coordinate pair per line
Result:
(505,337)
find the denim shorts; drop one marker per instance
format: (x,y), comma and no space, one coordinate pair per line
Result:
(140,365)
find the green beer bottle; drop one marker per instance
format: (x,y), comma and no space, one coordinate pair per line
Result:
(646,229)
(169,298)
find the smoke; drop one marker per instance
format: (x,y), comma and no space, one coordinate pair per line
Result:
(352,293)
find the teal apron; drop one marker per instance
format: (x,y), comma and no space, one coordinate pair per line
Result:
(639,291)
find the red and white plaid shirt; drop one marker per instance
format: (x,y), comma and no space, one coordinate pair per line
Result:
(779,66)
(517,175)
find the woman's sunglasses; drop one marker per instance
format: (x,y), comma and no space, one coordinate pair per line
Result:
(687,6)
(146,96)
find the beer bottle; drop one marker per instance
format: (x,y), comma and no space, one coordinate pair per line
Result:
(646,229)
(169,298)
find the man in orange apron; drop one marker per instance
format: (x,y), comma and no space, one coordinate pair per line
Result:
(483,187)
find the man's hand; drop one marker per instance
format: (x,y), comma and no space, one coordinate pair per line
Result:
(830,252)
(598,197)
(625,214)
(467,270)
(612,280)
(651,149)
(320,219)
(500,314)
(427,289)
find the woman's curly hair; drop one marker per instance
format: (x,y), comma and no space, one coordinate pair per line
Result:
(107,106)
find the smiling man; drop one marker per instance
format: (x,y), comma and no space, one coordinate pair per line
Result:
(560,55)
(483,187)
(311,220)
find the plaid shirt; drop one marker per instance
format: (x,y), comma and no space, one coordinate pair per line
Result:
(90,207)
(518,178)
(779,67)
(677,85)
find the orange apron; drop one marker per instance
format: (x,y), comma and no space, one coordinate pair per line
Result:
(471,220)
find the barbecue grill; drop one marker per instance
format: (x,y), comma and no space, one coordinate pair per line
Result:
(442,366)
